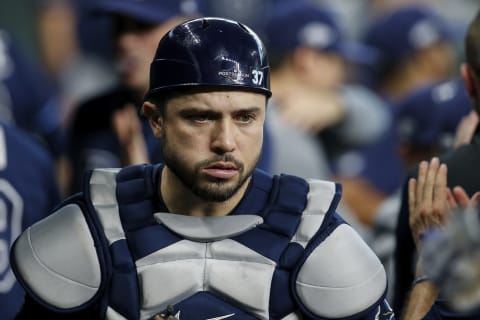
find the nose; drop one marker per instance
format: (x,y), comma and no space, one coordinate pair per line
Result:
(223,137)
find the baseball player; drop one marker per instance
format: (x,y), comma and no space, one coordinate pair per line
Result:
(203,235)
(28,193)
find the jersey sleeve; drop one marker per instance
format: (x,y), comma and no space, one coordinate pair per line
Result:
(343,278)
(56,260)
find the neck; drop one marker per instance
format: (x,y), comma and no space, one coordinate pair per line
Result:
(181,200)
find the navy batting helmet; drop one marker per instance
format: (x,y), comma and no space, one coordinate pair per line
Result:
(210,53)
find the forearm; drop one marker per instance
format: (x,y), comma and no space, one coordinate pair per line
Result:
(420,301)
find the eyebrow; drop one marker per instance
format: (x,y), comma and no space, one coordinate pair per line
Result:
(214,112)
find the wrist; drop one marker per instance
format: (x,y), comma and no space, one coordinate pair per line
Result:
(420,279)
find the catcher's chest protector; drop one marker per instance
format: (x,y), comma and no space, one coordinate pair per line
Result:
(241,265)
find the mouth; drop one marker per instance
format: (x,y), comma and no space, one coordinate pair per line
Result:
(221,170)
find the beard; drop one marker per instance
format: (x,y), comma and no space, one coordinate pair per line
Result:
(207,188)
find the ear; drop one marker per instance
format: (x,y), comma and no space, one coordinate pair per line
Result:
(469,80)
(154,118)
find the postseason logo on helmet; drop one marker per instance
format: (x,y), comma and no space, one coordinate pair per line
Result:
(234,73)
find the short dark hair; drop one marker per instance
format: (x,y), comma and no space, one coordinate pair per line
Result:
(160,100)
(472,45)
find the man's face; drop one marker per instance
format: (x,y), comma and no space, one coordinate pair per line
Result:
(328,71)
(136,45)
(212,141)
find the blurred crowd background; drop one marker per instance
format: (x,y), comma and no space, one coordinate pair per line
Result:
(75,50)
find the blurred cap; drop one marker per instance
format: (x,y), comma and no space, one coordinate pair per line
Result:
(303,24)
(249,12)
(150,11)
(404,31)
(429,116)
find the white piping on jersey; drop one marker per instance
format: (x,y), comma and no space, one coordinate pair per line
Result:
(3,149)
(222,317)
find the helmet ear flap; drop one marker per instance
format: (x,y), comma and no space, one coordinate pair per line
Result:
(210,53)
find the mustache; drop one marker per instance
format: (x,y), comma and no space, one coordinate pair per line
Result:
(222,158)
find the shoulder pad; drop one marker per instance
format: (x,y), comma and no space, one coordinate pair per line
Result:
(341,277)
(56,259)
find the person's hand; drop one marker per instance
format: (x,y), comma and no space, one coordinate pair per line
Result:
(312,111)
(466,129)
(430,201)
(427,198)
(128,128)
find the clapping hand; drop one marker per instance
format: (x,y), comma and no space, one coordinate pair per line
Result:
(431,201)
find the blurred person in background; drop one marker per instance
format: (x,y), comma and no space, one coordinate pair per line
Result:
(28,99)
(310,59)
(427,122)
(450,254)
(105,131)
(79,65)
(28,193)
(414,47)
(412,50)
(253,13)
(428,118)
(32,143)
(461,163)
(447,247)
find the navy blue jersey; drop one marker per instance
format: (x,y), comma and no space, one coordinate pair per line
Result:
(383,166)
(26,97)
(28,192)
